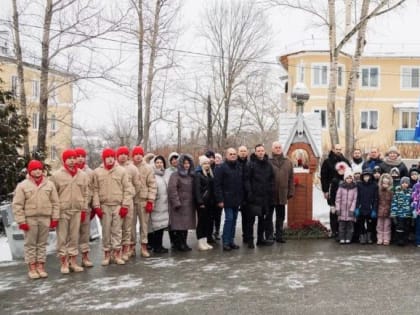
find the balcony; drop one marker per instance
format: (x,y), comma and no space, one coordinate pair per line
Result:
(404,135)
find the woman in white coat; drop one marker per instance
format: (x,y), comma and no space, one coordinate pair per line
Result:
(159,218)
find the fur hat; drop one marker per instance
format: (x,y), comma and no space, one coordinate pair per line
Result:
(34,165)
(123,150)
(405,180)
(393,149)
(348,173)
(68,154)
(137,150)
(149,157)
(107,152)
(209,154)
(341,167)
(173,155)
(203,159)
(159,157)
(80,151)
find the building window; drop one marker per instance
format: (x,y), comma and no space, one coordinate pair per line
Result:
(15,86)
(323,115)
(369,120)
(338,118)
(410,77)
(370,77)
(35,121)
(35,89)
(301,72)
(320,75)
(53,123)
(408,119)
(53,153)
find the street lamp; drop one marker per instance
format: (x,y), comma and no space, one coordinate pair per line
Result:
(300,95)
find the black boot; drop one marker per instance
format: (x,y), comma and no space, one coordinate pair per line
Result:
(184,240)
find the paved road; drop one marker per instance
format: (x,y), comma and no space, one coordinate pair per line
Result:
(300,277)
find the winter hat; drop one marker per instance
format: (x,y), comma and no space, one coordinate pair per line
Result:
(405,180)
(80,152)
(341,167)
(123,150)
(392,149)
(394,171)
(137,150)
(203,159)
(357,169)
(367,171)
(108,152)
(209,154)
(348,173)
(173,155)
(68,154)
(34,165)
(377,169)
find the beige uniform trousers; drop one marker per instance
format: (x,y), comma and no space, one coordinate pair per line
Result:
(143,217)
(111,228)
(68,233)
(85,234)
(127,223)
(35,245)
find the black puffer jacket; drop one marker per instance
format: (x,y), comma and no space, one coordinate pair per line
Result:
(328,171)
(204,189)
(261,181)
(367,196)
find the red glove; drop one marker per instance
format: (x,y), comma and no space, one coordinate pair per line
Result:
(24,226)
(53,224)
(123,212)
(149,207)
(92,214)
(98,212)
(82,216)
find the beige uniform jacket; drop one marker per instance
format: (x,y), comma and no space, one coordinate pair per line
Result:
(148,186)
(133,176)
(73,191)
(112,187)
(32,200)
(89,173)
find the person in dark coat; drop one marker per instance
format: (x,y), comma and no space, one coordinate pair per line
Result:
(243,162)
(259,194)
(367,206)
(393,159)
(205,201)
(181,201)
(283,190)
(330,180)
(229,195)
(373,159)
(413,174)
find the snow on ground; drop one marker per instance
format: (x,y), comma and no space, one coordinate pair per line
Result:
(5,254)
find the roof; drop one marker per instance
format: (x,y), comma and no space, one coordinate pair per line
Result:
(36,67)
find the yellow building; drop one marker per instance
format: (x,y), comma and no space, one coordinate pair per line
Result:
(387,95)
(60,107)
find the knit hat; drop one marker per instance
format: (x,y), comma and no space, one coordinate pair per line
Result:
(209,154)
(392,149)
(357,169)
(367,171)
(68,154)
(377,169)
(137,150)
(348,173)
(394,171)
(108,152)
(203,159)
(123,150)
(80,152)
(405,180)
(34,165)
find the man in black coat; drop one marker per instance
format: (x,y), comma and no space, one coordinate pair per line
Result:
(330,179)
(259,194)
(243,162)
(229,192)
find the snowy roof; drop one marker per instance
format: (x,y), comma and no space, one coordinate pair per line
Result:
(289,131)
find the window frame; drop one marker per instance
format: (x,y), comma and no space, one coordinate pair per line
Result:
(410,112)
(369,120)
(340,74)
(369,87)
(402,87)
(36,125)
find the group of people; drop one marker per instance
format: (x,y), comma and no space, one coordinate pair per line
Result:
(372,200)
(130,187)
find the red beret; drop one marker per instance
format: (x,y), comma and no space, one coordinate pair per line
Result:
(34,165)
(107,152)
(123,150)
(68,154)
(137,150)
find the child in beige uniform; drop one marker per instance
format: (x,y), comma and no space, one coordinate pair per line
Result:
(35,208)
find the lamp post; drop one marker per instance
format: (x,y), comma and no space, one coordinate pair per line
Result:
(300,95)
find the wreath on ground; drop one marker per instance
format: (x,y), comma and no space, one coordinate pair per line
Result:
(308,229)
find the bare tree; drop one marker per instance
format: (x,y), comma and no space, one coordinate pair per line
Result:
(237,35)
(20,74)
